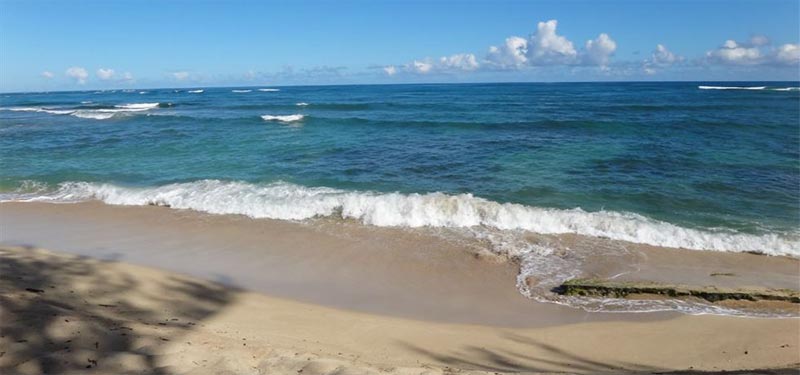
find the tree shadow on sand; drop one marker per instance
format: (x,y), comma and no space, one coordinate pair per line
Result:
(540,357)
(66,314)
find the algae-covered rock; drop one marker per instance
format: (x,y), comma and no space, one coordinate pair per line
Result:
(622,289)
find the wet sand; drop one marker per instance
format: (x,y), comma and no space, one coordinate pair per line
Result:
(385,298)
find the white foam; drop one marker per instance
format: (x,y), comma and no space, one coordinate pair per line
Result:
(282,118)
(195,91)
(786,89)
(301,104)
(241,91)
(51,111)
(293,202)
(137,106)
(731,87)
(94,115)
(269,90)
(86,102)
(143,92)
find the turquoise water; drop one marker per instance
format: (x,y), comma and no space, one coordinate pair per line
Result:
(661,163)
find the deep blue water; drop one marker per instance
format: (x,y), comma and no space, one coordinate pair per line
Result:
(696,158)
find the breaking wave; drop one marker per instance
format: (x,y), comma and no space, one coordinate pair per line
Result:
(93,113)
(282,118)
(731,87)
(287,201)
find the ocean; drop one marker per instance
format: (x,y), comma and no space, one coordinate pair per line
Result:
(694,165)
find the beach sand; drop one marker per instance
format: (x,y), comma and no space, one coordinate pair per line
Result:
(150,289)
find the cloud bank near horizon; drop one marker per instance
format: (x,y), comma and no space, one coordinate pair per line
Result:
(545,48)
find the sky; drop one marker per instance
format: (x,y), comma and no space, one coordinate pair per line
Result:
(77,45)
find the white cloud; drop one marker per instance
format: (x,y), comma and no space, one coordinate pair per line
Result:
(756,51)
(78,73)
(421,67)
(663,56)
(660,58)
(180,76)
(542,48)
(599,50)
(47,74)
(512,54)
(548,48)
(788,54)
(461,61)
(105,74)
(734,53)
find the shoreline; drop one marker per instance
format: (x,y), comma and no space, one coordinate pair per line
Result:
(69,313)
(413,274)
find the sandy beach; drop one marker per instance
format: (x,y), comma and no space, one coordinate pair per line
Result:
(154,290)
(66,314)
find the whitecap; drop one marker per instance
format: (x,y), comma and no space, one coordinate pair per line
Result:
(283,118)
(137,106)
(195,91)
(269,90)
(731,87)
(241,91)
(301,104)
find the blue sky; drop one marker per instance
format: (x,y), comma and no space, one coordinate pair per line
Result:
(64,45)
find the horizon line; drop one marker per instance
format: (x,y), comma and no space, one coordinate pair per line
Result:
(385,84)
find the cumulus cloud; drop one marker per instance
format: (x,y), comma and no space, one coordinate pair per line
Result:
(79,74)
(788,54)
(446,64)
(180,76)
(421,67)
(735,53)
(599,50)
(660,58)
(663,56)
(47,74)
(546,47)
(105,74)
(390,70)
(756,51)
(512,54)
(461,61)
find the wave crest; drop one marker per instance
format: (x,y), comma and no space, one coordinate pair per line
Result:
(287,201)
(283,118)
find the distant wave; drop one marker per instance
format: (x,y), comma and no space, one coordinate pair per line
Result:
(138,106)
(269,90)
(731,87)
(241,91)
(143,92)
(301,104)
(195,91)
(748,88)
(294,202)
(93,113)
(282,118)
